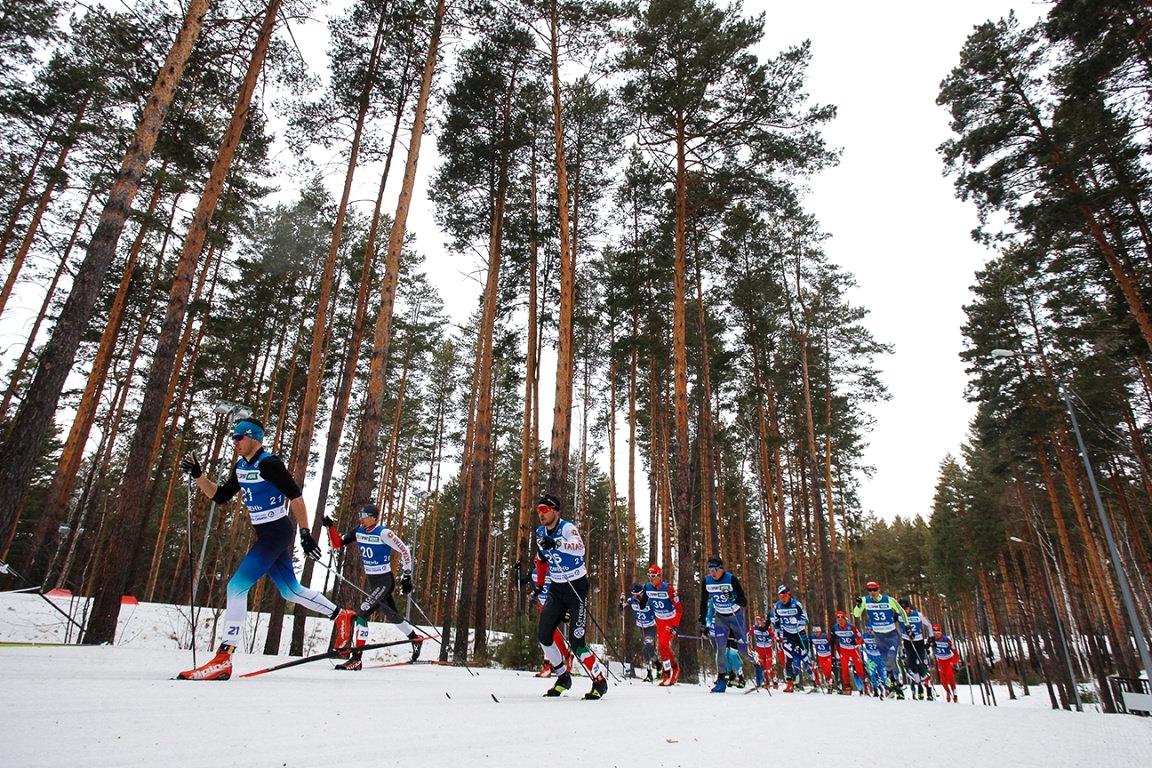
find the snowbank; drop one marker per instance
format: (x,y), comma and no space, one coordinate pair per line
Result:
(116,706)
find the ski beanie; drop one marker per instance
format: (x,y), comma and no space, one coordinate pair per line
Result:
(548,500)
(782,589)
(249,428)
(369,510)
(715,562)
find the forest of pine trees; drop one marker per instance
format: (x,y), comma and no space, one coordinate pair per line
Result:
(195,216)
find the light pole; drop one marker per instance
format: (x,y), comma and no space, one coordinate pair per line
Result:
(1105,521)
(231,411)
(1048,590)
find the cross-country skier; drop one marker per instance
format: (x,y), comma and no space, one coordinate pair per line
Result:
(881,614)
(722,594)
(562,552)
(873,663)
(915,632)
(847,641)
(947,658)
(276,509)
(666,606)
(376,544)
(763,640)
(791,623)
(822,649)
(646,622)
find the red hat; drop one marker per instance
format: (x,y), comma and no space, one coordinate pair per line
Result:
(872,585)
(841,615)
(937,627)
(653,570)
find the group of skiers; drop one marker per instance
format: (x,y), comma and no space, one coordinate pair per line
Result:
(894,648)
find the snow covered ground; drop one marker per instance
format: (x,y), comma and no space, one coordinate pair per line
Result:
(116,706)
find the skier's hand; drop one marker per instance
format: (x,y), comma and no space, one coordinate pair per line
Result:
(547,542)
(406,586)
(703,628)
(191,465)
(327,522)
(309,545)
(860,601)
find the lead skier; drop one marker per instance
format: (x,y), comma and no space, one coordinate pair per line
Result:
(274,504)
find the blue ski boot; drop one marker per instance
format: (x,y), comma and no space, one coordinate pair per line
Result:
(720,686)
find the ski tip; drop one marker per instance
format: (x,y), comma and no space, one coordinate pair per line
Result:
(494,698)
(446,694)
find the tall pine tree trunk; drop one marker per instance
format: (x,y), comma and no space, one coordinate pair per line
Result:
(20,450)
(368,448)
(132,517)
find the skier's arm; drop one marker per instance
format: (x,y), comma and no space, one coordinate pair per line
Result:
(705,603)
(392,540)
(858,608)
(570,540)
(802,617)
(336,540)
(220,494)
(900,612)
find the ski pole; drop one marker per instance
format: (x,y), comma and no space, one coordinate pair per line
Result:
(584,608)
(191,576)
(40,592)
(340,577)
(412,601)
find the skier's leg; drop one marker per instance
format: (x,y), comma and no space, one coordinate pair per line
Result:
(550,617)
(294,592)
(255,564)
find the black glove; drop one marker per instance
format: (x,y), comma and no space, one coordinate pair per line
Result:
(547,542)
(860,601)
(406,583)
(327,522)
(191,465)
(309,545)
(536,590)
(703,629)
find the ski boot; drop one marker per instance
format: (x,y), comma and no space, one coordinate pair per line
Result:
(648,677)
(563,683)
(720,685)
(789,686)
(900,692)
(675,678)
(343,621)
(599,688)
(219,667)
(417,644)
(740,681)
(352,665)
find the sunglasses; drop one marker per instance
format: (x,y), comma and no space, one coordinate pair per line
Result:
(238,438)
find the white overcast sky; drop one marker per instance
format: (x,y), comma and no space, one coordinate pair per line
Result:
(894,220)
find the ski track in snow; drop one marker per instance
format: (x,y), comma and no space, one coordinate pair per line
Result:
(116,706)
